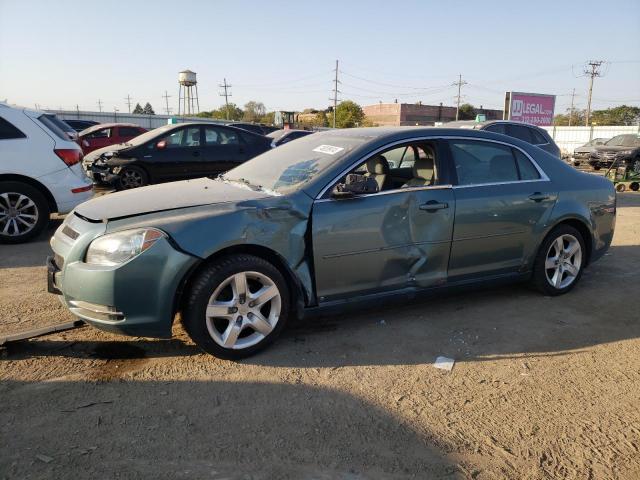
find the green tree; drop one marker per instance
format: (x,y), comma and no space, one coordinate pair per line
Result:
(348,115)
(621,115)
(254,111)
(467,112)
(321,119)
(234,113)
(577,118)
(269,118)
(138,109)
(148,109)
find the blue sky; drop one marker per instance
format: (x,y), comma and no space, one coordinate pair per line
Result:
(282,53)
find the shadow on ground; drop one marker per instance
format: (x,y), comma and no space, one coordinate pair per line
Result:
(231,430)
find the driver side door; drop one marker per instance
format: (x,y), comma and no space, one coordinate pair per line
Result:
(384,241)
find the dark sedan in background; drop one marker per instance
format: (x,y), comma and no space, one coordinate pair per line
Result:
(174,152)
(280,137)
(623,149)
(522,131)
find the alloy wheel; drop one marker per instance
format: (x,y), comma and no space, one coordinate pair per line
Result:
(131,179)
(563,261)
(18,214)
(243,310)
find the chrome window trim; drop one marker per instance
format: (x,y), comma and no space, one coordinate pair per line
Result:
(387,192)
(543,175)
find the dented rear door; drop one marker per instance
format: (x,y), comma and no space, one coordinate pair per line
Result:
(382,242)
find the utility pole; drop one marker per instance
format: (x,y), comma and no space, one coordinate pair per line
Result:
(166,97)
(99,105)
(128,99)
(573,94)
(591,70)
(226,96)
(78,110)
(459,84)
(115,114)
(335,95)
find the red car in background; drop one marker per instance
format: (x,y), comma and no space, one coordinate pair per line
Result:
(107,134)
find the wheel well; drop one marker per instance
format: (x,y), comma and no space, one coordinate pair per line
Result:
(11,177)
(584,231)
(298,296)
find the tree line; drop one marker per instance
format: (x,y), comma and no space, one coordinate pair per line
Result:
(348,114)
(621,115)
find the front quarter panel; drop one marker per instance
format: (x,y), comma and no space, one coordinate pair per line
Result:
(278,223)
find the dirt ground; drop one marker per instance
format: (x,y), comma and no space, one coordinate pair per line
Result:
(541,388)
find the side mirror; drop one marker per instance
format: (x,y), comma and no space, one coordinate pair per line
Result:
(161,144)
(355,185)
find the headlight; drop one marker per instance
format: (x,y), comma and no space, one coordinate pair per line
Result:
(117,248)
(625,152)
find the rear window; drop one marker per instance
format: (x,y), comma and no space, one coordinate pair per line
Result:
(129,131)
(538,138)
(520,132)
(52,123)
(8,131)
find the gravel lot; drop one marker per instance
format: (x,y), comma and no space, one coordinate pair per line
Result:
(542,388)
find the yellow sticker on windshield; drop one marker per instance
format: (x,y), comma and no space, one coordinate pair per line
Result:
(328,149)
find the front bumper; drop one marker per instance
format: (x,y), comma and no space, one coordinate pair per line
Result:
(135,298)
(104,174)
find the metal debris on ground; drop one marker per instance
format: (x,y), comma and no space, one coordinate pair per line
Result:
(444,363)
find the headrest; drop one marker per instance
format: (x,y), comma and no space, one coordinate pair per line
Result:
(423,168)
(377,165)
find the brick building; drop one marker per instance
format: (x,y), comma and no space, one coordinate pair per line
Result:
(405,114)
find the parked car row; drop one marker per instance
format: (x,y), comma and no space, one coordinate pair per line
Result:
(624,150)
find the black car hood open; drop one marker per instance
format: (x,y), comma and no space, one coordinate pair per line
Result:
(166,196)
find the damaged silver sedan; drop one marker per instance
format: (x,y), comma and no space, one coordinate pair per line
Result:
(337,218)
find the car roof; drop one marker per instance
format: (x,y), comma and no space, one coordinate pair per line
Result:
(100,126)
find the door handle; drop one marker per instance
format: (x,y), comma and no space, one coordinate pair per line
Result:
(538,197)
(432,206)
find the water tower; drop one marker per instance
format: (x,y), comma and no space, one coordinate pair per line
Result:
(188,93)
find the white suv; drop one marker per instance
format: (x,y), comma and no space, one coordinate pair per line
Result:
(40,173)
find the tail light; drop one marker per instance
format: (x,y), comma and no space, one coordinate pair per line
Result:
(69,156)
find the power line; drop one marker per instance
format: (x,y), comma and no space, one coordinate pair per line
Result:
(128,99)
(335,95)
(571,111)
(592,70)
(226,96)
(459,84)
(166,97)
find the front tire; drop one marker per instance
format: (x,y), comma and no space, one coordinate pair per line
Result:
(236,306)
(132,177)
(560,261)
(24,212)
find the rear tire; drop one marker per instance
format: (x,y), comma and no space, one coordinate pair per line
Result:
(560,261)
(621,187)
(132,177)
(230,324)
(24,212)
(635,186)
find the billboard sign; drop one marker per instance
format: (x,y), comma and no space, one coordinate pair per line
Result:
(533,108)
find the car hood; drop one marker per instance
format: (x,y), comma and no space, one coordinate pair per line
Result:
(613,149)
(95,154)
(163,197)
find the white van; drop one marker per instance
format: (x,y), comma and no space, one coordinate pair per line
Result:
(40,173)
